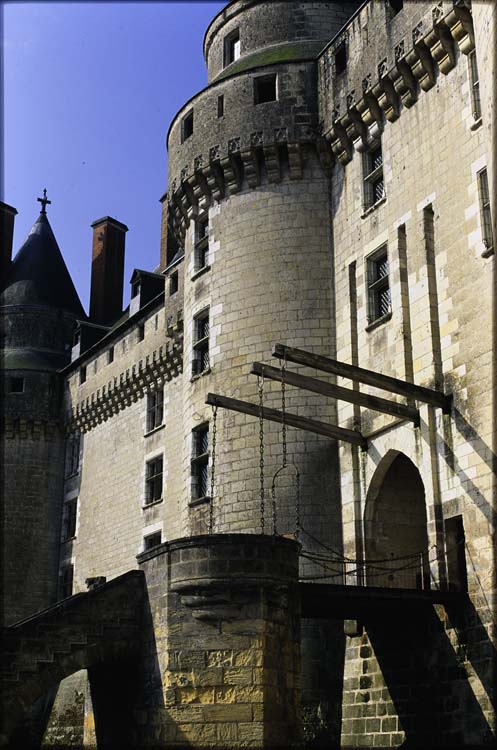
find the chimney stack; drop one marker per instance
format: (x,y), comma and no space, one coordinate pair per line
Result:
(107,270)
(7,215)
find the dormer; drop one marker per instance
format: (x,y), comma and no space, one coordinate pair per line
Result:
(144,287)
(85,336)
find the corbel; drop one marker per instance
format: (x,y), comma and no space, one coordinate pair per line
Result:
(273,163)
(251,167)
(460,23)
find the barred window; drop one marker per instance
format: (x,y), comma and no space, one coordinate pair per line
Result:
(379,303)
(66,581)
(200,362)
(201,244)
(200,462)
(485,211)
(69,516)
(152,540)
(153,480)
(474,80)
(155,409)
(374,185)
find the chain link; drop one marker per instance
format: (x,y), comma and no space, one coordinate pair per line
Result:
(283,412)
(297,506)
(260,382)
(213,468)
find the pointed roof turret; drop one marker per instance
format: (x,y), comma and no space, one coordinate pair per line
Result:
(38,274)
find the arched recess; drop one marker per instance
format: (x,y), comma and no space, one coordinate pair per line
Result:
(395,525)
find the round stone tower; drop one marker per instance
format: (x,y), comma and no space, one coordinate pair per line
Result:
(38,309)
(247,168)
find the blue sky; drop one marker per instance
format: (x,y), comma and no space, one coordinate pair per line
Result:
(89,92)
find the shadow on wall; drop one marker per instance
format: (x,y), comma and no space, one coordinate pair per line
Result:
(428,680)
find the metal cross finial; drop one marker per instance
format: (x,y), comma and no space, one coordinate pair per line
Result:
(44,201)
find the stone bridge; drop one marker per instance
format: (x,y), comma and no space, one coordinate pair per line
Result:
(80,632)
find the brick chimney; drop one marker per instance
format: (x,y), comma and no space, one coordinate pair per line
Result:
(7,215)
(107,270)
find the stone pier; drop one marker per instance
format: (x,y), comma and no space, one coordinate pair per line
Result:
(222,661)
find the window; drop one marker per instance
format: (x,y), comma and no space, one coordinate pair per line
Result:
(265,89)
(201,243)
(110,355)
(474,80)
(140,332)
(378,285)
(152,540)
(341,58)
(200,462)
(200,361)
(73,453)
(395,6)
(232,47)
(135,289)
(66,581)
(485,213)
(16,385)
(155,409)
(187,126)
(153,481)
(173,283)
(220,106)
(374,186)
(82,375)
(69,519)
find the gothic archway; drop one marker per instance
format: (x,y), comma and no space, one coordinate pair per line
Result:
(395,526)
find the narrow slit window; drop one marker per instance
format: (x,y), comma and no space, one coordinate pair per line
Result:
(474,80)
(155,409)
(187,126)
(373,180)
(200,360)
(485,211)
(153,480)
(82,375)
(201,244)
(66,581)
(200,462)
(173,283)
(69,520)
(141,332)
(341,58)
(220,106)
(110,355)
(379,301)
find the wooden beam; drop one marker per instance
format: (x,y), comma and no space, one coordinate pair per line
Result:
(335,391)
(359,374)
(292,420)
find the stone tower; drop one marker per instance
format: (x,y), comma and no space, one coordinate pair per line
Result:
(245,168)
(39,307)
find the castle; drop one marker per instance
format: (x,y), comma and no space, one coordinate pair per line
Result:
(256,509)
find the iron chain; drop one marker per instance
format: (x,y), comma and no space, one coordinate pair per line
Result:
(213,469)
(261,448)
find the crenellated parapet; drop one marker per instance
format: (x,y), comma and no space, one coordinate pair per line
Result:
(356,103)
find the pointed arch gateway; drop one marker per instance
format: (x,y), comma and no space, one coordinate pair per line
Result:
(395,525)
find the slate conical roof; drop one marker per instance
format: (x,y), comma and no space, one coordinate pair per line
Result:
(38,274)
